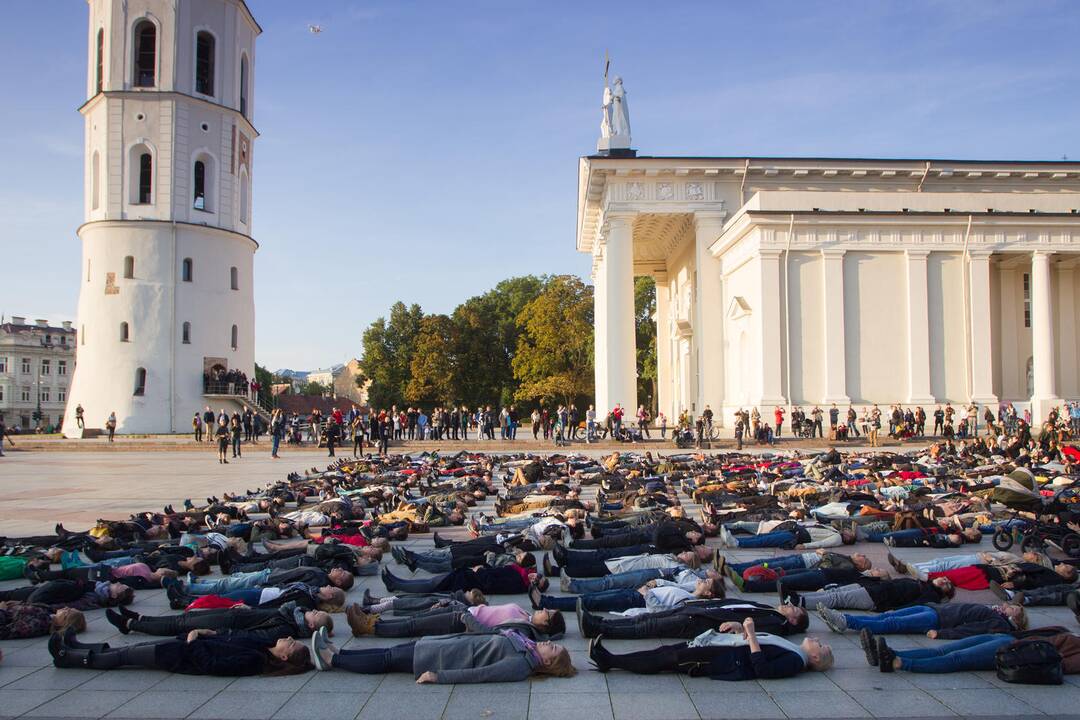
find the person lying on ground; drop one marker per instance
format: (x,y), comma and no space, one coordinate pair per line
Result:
(202,652)
(412,604)
(691,619)
(326,598)
(270,624)
(737,653)
(948,622)
(137,576)
(440,560)
(266,578)
(20,620)
(645,598)
(504,656)
(599,568)
(978,652)
(876,594)
(509,579)
(679,575)
(783,533)
(77,594)
(455,618)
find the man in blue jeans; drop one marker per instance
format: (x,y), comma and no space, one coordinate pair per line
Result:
(635,579)
(948,622)
(663,597)
(977,652)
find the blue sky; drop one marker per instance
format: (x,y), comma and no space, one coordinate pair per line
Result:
(423,151)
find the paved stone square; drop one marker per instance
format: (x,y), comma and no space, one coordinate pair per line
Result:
(77,488)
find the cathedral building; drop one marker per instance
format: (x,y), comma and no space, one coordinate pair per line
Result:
(803,281)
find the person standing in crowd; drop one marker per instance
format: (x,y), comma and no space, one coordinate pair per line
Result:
(386,428)
(222,434)
(79,416)
(778,420)
(661,420)
(3,435)
(208,423)
(236,431)
(643,421)
(616,419)
(197,427)
(358,435)
(333,431)
(573,419)
(110,425)
(277,429)
(834,421)
(853,431)
(590,425)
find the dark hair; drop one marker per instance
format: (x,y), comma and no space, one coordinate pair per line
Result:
(126,597)
(556,626)
(299,662)
(346,582)
(528,560)
(802,623)
(200,567)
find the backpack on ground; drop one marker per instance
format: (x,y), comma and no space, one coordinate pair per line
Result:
(1029,662)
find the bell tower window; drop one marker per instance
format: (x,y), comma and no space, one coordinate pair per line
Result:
(204,63)
(99,65)
(145,54)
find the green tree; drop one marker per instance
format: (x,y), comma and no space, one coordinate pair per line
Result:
(388,352)
(487,338)
(433,373)
(265,378)
(645,327)
(313,388)
(554,358)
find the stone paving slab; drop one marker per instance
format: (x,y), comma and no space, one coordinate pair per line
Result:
(31,687)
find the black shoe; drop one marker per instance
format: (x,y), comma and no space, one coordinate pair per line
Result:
(117,620)
(67,657)
(225,563)
(589,624)
(549,569)
(598,654)
(869,646)
(71,642)
(559,552)
(535,596)
(177,599)
(367,600)
(885,656)
(439,542)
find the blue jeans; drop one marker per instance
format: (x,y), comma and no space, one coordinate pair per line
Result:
(784,562)
(767,540)
(236,581)
(434,561)
(973,653)
(916,619)
(630,579)
(603,601)
(511,525)
(275,444)
(249,597)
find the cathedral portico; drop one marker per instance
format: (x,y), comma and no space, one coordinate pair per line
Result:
(819,281)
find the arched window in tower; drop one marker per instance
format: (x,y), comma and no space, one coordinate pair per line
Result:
(125,332)
(99,65)
(234,278)
(200,185)
(235,337)
(146,178)
(185,336)
(187,271)
(243,85)
(244,191)
(140,381)
(95,181)
(204,63)
(129,267)
(145,54)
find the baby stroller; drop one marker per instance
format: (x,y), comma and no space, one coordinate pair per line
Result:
(1051,522)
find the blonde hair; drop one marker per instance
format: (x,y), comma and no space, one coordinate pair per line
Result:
(75,619)
(561,666)
(1021,620)
(824,661)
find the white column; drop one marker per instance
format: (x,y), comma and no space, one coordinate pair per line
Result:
(832,263)
(664,381)
(1066,368)
(1042,337)
(599,323)
(982,350)
(770,327)
(918,329)
(709,317)
(620,372)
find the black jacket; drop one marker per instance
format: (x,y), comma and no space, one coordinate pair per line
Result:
(961,620)
(900,592)
(228,655)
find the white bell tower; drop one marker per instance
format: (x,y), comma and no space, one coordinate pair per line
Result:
(167,247)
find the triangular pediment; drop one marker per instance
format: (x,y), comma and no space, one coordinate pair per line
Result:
(738,308)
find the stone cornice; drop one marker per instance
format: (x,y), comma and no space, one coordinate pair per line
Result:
(158,223)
